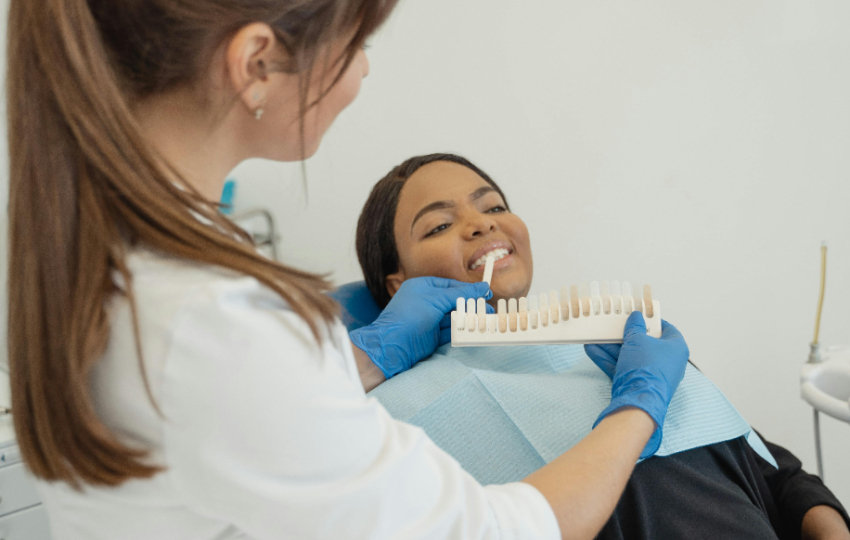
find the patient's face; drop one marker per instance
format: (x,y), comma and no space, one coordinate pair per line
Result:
(448,219)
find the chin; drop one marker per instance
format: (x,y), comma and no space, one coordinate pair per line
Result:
(508,291)
(285,154)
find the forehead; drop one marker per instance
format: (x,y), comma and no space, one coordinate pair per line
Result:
(438,181)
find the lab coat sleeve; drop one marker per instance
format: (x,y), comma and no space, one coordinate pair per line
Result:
(274,434)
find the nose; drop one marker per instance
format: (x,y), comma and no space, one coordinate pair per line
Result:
(479,225)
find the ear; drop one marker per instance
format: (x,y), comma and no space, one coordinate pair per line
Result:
(249,57)
(394,282)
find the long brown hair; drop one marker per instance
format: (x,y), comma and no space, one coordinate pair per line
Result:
(84,185)
(376,247)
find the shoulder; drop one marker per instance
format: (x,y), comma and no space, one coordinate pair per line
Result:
(170,290)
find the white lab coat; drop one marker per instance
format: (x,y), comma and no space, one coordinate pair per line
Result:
(264,435)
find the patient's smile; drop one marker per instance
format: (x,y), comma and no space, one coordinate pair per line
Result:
(498,255)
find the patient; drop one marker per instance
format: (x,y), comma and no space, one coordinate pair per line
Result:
(439,215)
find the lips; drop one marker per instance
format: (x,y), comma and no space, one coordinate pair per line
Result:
(499,248)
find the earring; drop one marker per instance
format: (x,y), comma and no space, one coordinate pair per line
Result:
(258,113)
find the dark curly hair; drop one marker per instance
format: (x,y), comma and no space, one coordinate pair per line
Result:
(376,247)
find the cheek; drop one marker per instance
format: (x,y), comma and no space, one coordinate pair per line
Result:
(319,119)
(439,257)
(518,233)
(340,96)
(519,236)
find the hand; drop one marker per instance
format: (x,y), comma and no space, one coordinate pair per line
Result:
(604,355)
(415,322)
(646,371)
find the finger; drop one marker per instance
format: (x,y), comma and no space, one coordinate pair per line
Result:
(602,358)
(490,309)
(445,336)
(482,289)
(446,321)
(471,290)
(612,349)
(466,291)
(635,325)
(668,331)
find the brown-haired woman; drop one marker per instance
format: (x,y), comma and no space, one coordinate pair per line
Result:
(169,382)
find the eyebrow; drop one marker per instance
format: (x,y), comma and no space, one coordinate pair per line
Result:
(442,205)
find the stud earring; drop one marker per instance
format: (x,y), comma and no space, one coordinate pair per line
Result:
(258,113)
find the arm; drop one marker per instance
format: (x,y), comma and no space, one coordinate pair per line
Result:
(370,375)
(824,523)
(802,498)
(584,484)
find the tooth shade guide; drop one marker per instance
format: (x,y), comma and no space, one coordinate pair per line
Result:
(532,312)
(606,297)
(482,315)
(554,307)
(575,301)
(471,324)
(460,322)
(585,299)
(548,327)
(627,297)
(501,311)
(565,304)
(616,300)
(492,322)
(647,300)
(488,268)
(595,298)
(523,314)
(543,302)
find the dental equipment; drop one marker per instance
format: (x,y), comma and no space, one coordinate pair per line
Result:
(814,353)
(825,377)
(594,315)
(488,268)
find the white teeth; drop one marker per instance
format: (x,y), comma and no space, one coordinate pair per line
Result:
(497,254)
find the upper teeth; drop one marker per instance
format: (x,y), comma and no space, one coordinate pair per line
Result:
(496,253)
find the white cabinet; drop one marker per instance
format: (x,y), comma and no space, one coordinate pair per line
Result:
(22,516)
(29,524)
(17,491)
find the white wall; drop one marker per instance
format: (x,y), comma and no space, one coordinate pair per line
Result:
(703,147)
(698,146)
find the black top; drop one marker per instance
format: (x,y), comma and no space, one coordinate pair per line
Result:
(720,491)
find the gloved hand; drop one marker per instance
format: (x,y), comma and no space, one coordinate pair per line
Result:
(645,370)
(415,322)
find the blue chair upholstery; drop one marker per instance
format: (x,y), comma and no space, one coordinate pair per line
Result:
(358,306)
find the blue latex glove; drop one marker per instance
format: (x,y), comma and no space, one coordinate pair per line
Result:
(415,322)
(645,371)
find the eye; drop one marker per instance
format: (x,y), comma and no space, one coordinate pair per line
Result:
(496,209)
(438,229)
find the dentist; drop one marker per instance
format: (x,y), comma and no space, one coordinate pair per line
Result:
(168,382)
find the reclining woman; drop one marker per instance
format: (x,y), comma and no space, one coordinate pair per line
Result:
(712,477)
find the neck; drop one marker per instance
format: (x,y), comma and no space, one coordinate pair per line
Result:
(198,145)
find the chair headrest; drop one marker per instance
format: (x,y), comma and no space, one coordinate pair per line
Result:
(358,306)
